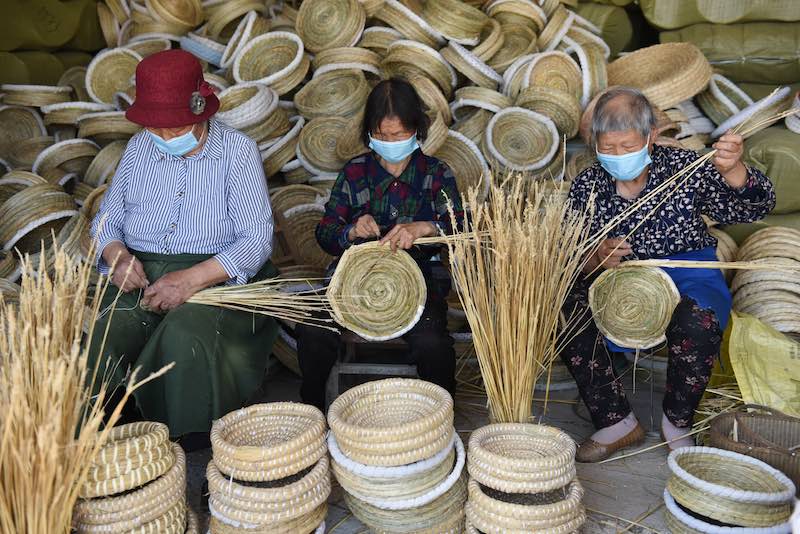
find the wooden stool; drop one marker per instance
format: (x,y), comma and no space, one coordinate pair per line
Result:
(348,364)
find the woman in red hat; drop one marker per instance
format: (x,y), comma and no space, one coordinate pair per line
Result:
(187,209)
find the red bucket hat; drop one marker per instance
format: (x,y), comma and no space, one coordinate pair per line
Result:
(171,91)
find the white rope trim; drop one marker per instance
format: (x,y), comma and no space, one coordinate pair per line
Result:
(431,52)
(21,88)
(749,111)
(393,335)
(88,106)
(325,177)
(382,29)
(90,70)
(303,208)
(5,164)
(282,73)
(320,528)
(585,68)
(471,102)
(594,38)
(252,111)
(202,47)
(475,62)
(532,5)
(292,166)
(549,124)
(305,163)
(119,100)
(562,31)
(67,177)
(44,154)
(702,125)
(280,143)
(538,57)
(240,37)
(462,337)
(154,35)
(717,490)
(419,21)
(33,224)
(485,172)
(588,25)
(705,528)
(366,67)
(511,71)
(713,86)
(426,498)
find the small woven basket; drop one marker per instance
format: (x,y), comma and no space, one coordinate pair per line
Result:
(557,26)
(275,59)
(518,40)
(67,113)
(110,72)
(409,24)
(341,93)
(317,144)
(102,168)
(107,126)
(31,215)
(457,21)
(678,521)
(492,40)
(408,58)
(467,99)
(472,67)
(301,223)
(563,108)
(722,99)
(520,139)
(279,152)
(17,124)
(466,161)
(34,95)
(378,39)
(325,24)
(251,26)
(518,12)
(431,96)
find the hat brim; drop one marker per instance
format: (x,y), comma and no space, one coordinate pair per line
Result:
(160,117)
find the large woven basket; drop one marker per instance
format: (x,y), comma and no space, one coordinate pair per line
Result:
(341,93)
(276,59)
(325,24)
(762,433)
(29,217)
(111,71)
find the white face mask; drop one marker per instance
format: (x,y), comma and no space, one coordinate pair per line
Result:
(394,151)
(177,146)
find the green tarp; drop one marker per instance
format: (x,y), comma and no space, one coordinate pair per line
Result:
(776,152)
(50,25)
(757,91)
(671,14)
(614,23)
(38,68)
(740,232)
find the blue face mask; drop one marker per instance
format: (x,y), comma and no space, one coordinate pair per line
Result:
(394,151)
(626,167)
(177,146)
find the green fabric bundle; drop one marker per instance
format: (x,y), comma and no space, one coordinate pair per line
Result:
(49,25)
(760,52)
(671,14)
(740,232)
(614,23)
(757,91)
(776,152)
(38,68)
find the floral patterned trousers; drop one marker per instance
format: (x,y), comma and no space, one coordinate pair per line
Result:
(693,339)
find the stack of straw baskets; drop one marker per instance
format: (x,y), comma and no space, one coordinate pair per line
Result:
(270,471)
(717,491)
(398,458)
(136,484)
(523,479)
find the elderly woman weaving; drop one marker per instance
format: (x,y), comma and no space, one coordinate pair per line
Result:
(187,209)
(629,166)
(396,194)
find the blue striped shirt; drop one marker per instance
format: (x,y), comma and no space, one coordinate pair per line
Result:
(214,202)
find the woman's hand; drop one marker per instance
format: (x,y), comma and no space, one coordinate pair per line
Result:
(611,252)
(404,235)
(364,228)
(170,291)
(128,273)
(728,159)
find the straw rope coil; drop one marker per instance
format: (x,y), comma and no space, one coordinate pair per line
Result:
(268,442)
(275,59)
(111,71)
(775,241)
(378,39)
(632,306)
(376,293)
(301,222)
(34,95)
(409,24)
(219,524)
(679,521)
(280,152)
(457,21)
(107,126)
(406,58)
(347,58)
(722,99)
(666,73)
(342,93)
(431,96)
(466,161)
(19,123)
(471,66)
(518,11)
(470,98)
(316,148)
(392,422)
(765,109)
(518,40)
(67,113)
(520,139)
(563,108)
(324,24)
(730,487)
(29,216)
(557,26)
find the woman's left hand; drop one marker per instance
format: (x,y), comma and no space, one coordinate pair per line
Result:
(730,148)
(169,291)
(404,235)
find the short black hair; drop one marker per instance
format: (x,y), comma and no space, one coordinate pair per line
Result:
(394,97)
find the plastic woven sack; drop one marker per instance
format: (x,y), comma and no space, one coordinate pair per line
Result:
(740,232)
(614,23)
(757,91)
(760,52)
(671,14)
(776,152)
(51,24)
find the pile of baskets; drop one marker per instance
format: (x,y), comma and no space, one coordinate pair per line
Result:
(714,491)
(523,479)
(270,470)
(398,458)
(136,484)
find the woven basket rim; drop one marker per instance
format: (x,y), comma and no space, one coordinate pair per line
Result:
(57,147)
(475,62)
(706,528)
(263,38)
(91,70)
(546,121)
(252,111)
(24,88)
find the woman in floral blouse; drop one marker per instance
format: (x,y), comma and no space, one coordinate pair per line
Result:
(629,166)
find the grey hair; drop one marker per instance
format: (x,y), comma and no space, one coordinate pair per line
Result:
(637,113)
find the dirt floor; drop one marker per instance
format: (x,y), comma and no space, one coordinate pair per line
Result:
(621,496)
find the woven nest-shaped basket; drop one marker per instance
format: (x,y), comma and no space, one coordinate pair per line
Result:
(558,512)
(324,24)
(444,515)
(408,58)
(252,25)
(666,73)
(349,145)
(777,102)
(678,521)
(34,95)
(187,13)
(285,198)
(72,155)
(378,38)
(313,522)
(111,71)
(104,164)
(409,24)
(316,148)
(288,499)
(431,96)
(223,17)
(632,306)
(15,181)
(392,422)
(23,154)
(563,108)
(518,40)
(730,487)
(518,12)
(472,67)
(557,26)
(155,504)
(107,126)
(32,214)
(348,57)
(520,139)
(134,455)
(377,293)
(275,59)
(722,99)
(17,124)
(67,113)
(301,223)
(341,93)
(466,161)
(75,77)
(473,126)
(267,442)
(246,105)
(468,99)
(281,151)
(457,21)
(490,42)
(521,458)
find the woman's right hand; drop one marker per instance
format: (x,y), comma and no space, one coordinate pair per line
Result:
(128,273)
(611,252)
(364,228)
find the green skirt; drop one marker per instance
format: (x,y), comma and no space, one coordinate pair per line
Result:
(220,355)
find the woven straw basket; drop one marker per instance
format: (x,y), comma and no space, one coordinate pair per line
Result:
(520,139)
(301,223)
(110,72)
(457,21)
(409,24)
(275,59)
(29,217)
(17,124)
(466,161)
(34,95)
(340,93)
(325,24)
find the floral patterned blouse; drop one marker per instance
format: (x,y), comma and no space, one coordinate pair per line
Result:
(677,225)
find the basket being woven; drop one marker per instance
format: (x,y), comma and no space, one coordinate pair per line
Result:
(377,293)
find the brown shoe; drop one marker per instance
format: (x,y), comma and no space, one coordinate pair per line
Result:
(590,451)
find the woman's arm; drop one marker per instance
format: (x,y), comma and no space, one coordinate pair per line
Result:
(333,230)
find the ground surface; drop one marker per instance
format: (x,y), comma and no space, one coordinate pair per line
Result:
(629,489)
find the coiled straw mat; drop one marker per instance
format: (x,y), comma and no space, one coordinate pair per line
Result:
(518,40)
(466,161)
(408,58)
(361,59)
(32,214)
(520,139)
(563,108)
(666,73)
(524,12)
(67,113)
(392,422)
(134,455)
(280,152)
(722,99)
(730,487)
(471,66)
(377,293)
(409,24)
(275,59)
(111,71)
(521,458)
(35,95)
(559,512)
(457,21)
(467,99)
(632,306)
(324,24)
(678,521)
(341,93)
(267,442)
(778,101)
(316,148)
(154,504)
